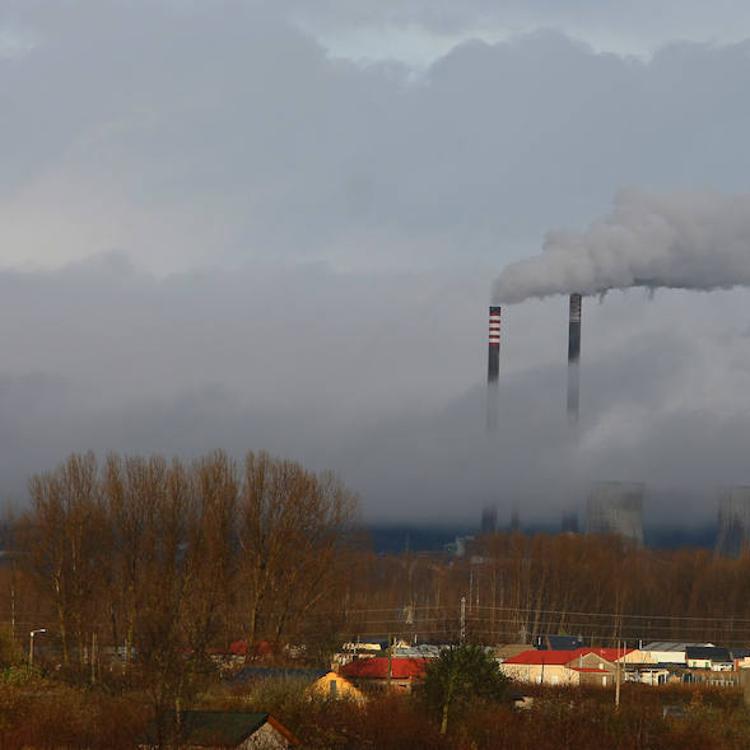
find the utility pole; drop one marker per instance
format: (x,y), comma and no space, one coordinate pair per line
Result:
(93,658)
(471,587)
(13,600)
(390,661)
(617,678)
(463,619)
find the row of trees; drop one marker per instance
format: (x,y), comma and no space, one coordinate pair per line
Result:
(162,559)
(516,586)
(166,560)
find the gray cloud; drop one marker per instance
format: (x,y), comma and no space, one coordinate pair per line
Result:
(216,135)
(217,235)
(378,377)
(390,27)
(694,241)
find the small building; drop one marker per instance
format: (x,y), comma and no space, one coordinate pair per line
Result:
(709,657)
(586,666)
(334,686)
(664,652)
(380,672)
(224,730)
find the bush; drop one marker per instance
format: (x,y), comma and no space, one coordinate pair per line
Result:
(461,676)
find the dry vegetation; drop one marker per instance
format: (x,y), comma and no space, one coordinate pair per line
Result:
(142,570)
(47,714)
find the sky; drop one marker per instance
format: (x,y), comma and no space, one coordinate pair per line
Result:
(251,225)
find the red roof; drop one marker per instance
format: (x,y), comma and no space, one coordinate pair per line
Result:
(610,654)
(377,668)
(535,656)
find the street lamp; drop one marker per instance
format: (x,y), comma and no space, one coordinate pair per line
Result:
(31,644)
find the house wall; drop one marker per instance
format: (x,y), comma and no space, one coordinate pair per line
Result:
(660,657)
(699,663)
(344,688)
(593,661)
(648,676)
(547,674)
(597,679)
(266,738)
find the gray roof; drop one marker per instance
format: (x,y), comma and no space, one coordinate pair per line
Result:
(708,652)
(671,646)
(214,728)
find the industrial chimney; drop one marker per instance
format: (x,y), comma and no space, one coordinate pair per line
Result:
(574,356)
(493,366)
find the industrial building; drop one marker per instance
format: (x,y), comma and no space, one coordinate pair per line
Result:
(616,508)
(734,521)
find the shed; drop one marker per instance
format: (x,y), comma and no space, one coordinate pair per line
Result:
(225,730)
(336,687)
(708,657)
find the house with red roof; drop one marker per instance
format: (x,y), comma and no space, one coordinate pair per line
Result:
(583,666)
(400,673)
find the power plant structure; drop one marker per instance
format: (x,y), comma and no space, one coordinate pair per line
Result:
(574,360)
(734,522)
(616,508)
(493,366)
(569,522)
(489,520)
(574,356)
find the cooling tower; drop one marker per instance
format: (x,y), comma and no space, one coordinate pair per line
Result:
(489,520)
(616,508)
(574,356)
(734,522)
(569,522)
(493,366)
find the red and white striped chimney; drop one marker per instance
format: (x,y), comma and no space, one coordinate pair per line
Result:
(493,360)
(493,366)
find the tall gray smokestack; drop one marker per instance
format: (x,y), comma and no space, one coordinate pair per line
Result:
(493,365)
(574,356)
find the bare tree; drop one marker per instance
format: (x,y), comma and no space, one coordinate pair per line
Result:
(291,524)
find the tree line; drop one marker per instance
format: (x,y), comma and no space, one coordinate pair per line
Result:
(164,561)
(512,587)
(169,561)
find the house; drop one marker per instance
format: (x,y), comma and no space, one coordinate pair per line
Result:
(663,652)
(225,730)
(585,666)
(709,657)
(382,672)
(334,686)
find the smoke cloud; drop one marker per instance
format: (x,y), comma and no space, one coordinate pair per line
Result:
(680,241)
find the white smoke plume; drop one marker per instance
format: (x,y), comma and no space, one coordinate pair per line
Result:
(677,240)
